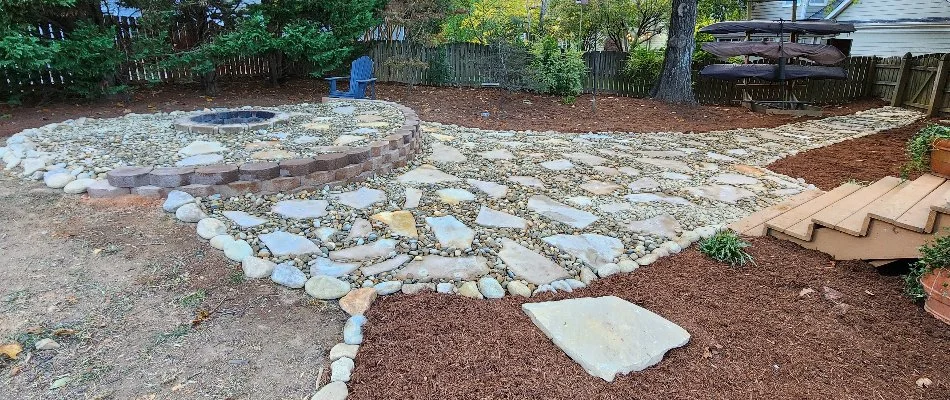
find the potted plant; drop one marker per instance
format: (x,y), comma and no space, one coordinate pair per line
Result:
(929,147)
(930,278)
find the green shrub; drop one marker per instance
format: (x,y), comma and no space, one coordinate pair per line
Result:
(726,247)
(643,65)
(90,59)
(935,254)
(919,146)
(557,71)
(440,72)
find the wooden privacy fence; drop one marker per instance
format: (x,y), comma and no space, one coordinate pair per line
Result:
(921,82)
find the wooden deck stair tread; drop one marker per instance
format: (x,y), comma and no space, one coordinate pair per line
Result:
(898,204)
(922,216)
(754,224)
(844,208)
(806,211)
(857,224)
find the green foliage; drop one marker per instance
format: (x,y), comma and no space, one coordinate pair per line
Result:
(643,65)
(934,255)
(90,58)
(489,21)
(626,23)
(919,147)
(509,65)
(440,72)
(727,247)
(557,71)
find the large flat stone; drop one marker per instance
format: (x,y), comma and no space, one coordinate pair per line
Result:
(529,265)
(438,267)
(724,193)
(361,198)
(657,198)
(560,212)
(585,158)
(446,154)
(661,225)
(328,267)
(500,154)
(200,159)
(528,181)
(426,174)
(454,195)
(386,266)
(607,335)
(201,147)
(243,219)
(301,209)
(400,223)
(450,232)
(734,179)
(594,250)
(499,219)
(492,189)
(558,165)
(599,187)
(282,243)
(377,249)
(673,165)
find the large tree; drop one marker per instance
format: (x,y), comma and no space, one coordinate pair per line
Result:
(676,83)
(625,23)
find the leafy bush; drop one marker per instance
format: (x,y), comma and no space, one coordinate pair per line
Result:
(643,65)
(726,247)
(90,59)
(934,255)
(440,72)
(919,146)
(557,71)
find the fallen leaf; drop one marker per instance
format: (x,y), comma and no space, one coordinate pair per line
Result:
(924,382)
(200,317)
(64,332)
(11,350)
(34,330)
(97,251)
(16,370)
(71,299)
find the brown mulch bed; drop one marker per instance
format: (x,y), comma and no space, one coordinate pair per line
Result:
(753,336)
(461,106)
(865,159)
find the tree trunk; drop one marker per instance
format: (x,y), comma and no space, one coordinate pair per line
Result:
(676,83)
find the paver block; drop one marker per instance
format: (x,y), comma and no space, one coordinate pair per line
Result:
(298,167)
(153,192)
(215,174)
(102,189)
(280,184)
(170,177)
(258,171)
(358,155)
(128,177)
(198,190)
(331,161)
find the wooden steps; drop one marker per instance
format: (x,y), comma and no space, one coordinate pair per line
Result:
(889,219)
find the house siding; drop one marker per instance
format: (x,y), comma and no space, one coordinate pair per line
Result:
(868,11)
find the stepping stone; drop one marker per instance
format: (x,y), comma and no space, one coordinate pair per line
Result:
(201,159)
(441,137)
(344,110)
(386,266)
(558,165)
(377,249)
(281,243)
(528,181)
(661,225)
(361,228)
(254,146)
(499,219)
(306,140)
(608,171)
(454,195)
(361,198)
(316,126)
(243,219)
(273,154)
(375,124)
(328,267)
(365,131)
(594,250)
(438,267)
(446,154)
(606,335)
(629,171)
(426,174)
(492,189)
(674,165)
(709,167)
(646,184)
(612,208)
(561,212)
(369,118)
(581,201)
(748,170)
(301,209)
(737,152)
(529,265)
(662,154)
(676,176)
(344,140)
(600,187)
(413,197)
(657,197)
(719,157)
(500,154)
(724,193)
(734,179)
(400,223)
(324,233)
(450,232)
(515,144)
(201,147)
(586,158)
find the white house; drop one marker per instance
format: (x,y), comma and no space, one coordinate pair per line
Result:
(883,27)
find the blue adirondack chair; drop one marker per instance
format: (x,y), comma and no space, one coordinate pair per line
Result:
(361,76)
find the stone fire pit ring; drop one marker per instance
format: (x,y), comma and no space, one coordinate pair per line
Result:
(231,121)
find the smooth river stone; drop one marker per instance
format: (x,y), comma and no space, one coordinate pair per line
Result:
(438,267)
(446,154)
(585,158)
(201,147)
(386,266)
(243,219)
(400,223)
(454,195)
(492,189)
(499,154)
(361,198)
(734,179)
(528,265)
(450,232)
(606,335)
(594,250)
(377,249)
(600,187)
(201,159)
(661,225)
(724,193)
(499,219)
(426,174)
(301,209)
(561,212)
(673,165)
(281,243)
(558,165)
(328,267)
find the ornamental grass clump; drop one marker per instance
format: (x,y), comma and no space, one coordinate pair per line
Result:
(919,147)
(727,247)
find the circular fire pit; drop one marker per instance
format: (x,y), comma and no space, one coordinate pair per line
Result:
(231,121)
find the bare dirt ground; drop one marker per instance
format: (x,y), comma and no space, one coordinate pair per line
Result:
(119,286)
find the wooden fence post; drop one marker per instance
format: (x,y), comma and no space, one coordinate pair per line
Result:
(902,77)
(871,78)
(936,97)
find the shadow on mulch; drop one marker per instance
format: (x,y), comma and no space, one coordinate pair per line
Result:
(752,337)
(865,159)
